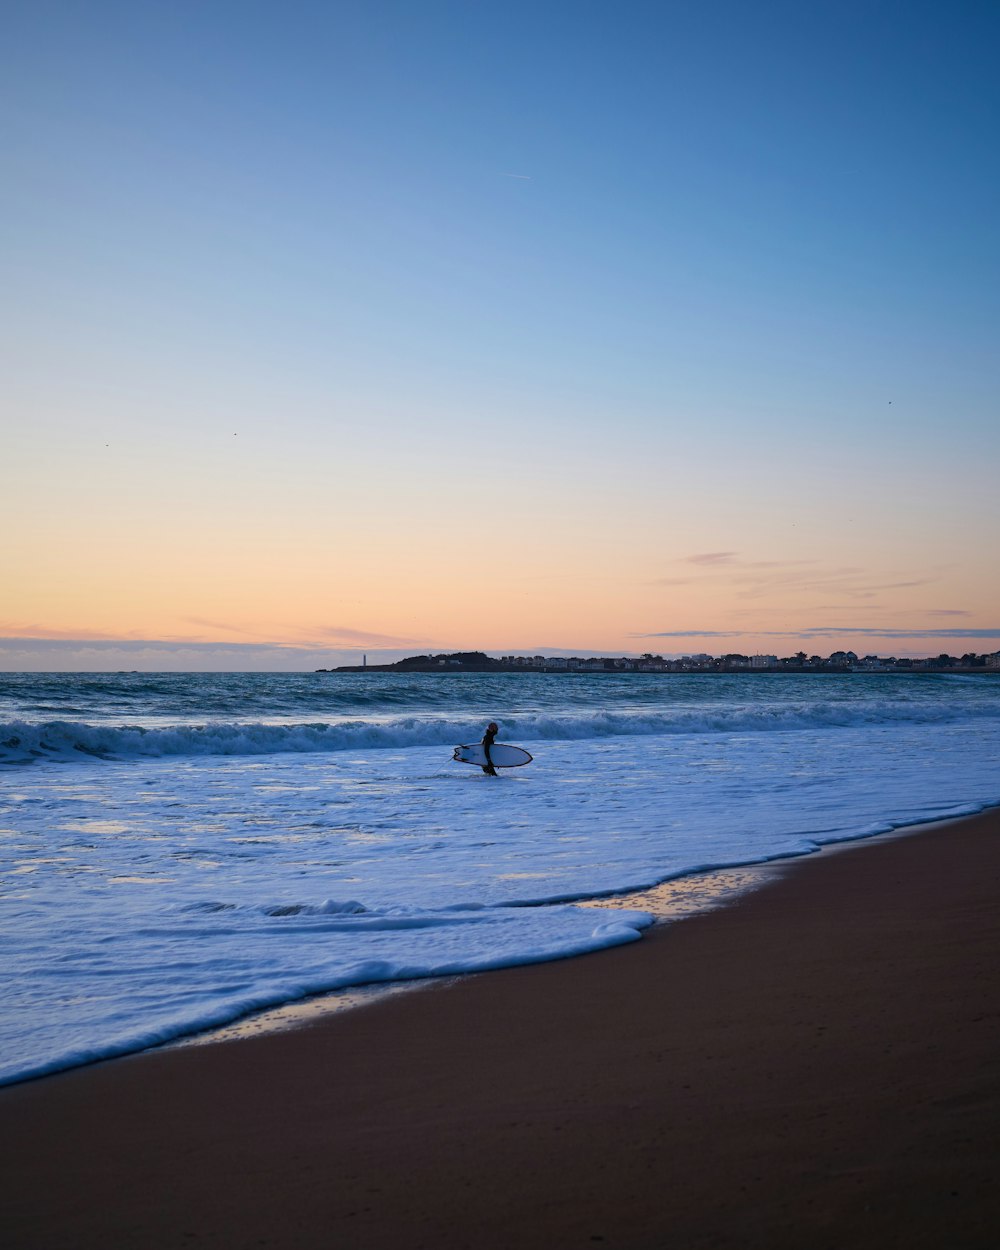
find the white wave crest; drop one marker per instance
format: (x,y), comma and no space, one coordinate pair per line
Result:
(23,741)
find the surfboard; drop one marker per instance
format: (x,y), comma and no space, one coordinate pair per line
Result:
(502,755)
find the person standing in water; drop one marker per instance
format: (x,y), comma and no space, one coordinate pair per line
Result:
(492,729)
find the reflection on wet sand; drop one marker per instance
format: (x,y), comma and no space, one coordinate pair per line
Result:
(671,900)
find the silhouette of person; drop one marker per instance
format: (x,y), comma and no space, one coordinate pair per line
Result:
(492,729)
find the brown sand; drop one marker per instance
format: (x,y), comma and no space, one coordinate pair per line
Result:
(816,1065)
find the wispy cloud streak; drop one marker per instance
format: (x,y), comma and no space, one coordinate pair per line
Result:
(824,631)
(758,579)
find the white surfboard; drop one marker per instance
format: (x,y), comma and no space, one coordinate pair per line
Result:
(502,755)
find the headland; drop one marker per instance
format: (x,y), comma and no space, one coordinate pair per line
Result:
(836,662)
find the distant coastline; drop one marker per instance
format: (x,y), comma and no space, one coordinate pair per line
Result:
(837,662)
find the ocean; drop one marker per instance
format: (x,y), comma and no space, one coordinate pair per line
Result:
(179,850)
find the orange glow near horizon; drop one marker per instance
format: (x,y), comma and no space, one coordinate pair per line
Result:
(402,591)
(487,554)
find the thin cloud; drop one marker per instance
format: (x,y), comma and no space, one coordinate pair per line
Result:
(139,644)
(523,177)
(308,638)
(362,638)
(222,625)
(694,633)
(760,579)
(879,632)
(777,564)
(284,635)
(712,557)
(161,655)
(730,560)
(20,633)
(824,631)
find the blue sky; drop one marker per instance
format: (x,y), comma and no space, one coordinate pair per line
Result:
(660,279)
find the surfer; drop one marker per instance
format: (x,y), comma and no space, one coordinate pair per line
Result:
(492,729)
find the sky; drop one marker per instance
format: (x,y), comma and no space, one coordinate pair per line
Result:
(397,326)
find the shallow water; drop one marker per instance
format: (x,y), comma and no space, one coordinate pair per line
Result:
(179,850)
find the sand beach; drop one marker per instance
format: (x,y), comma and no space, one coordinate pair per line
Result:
(815,1064)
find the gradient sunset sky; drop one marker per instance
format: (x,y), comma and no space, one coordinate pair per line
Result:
(408,326)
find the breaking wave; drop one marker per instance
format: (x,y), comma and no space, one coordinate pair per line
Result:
(25,741)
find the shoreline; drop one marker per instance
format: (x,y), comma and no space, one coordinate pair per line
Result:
(668,902)
(815,1063)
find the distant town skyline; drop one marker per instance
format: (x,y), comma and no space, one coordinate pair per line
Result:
(539,327)
(700,662)
(23,655)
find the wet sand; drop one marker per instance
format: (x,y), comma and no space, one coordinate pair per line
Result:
(816,1064)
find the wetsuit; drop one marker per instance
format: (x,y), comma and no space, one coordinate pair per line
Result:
(488,738)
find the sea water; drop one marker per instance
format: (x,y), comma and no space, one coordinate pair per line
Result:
(177,850)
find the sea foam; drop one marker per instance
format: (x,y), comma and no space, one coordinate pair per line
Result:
(22,741)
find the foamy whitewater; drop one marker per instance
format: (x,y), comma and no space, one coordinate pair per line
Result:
(181,849)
